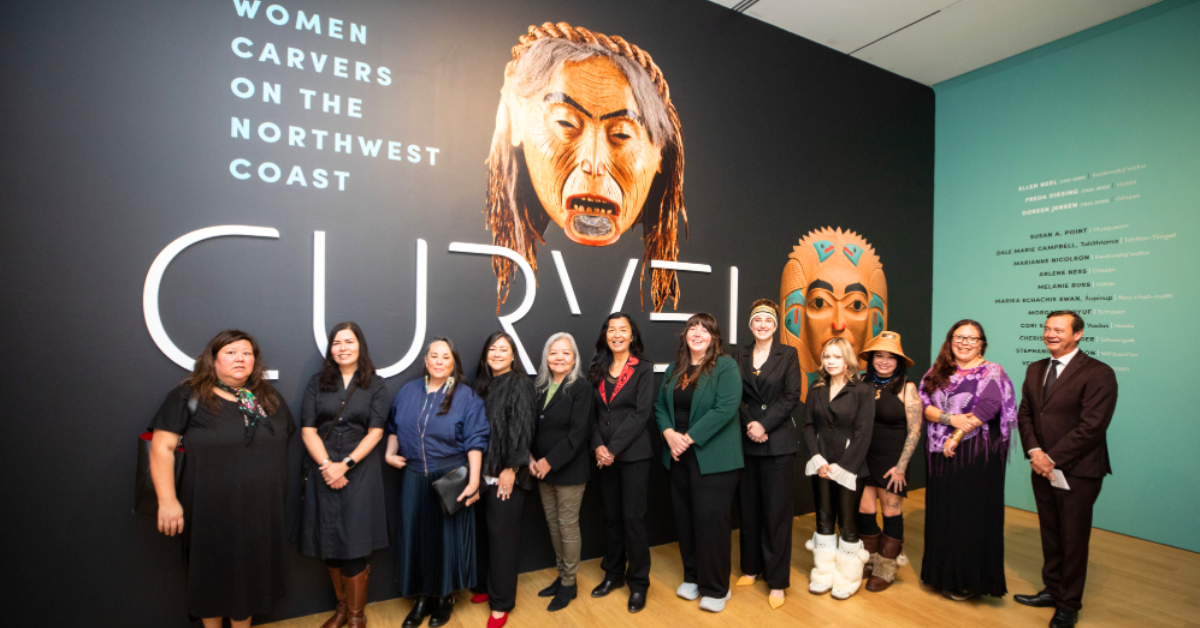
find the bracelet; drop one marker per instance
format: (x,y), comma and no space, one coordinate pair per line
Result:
(944,418)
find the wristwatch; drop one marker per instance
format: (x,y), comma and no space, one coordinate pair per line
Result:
(349,462)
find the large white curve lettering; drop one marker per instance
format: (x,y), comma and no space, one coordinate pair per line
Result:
(154,280)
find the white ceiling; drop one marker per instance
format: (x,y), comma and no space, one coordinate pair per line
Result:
(948,38)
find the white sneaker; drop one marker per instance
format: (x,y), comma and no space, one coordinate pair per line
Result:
(688,591)
(715,604)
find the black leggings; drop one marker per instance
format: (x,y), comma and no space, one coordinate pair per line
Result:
(837,504)
(350,567)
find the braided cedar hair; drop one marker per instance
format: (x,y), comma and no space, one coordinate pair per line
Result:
(508,216)
(683,359)
(204,374)
(944,366)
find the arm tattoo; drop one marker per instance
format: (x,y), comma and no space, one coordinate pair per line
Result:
(912,408)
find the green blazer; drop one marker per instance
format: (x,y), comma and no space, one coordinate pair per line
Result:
(713,421)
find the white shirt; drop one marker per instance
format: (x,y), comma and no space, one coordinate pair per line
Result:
(1062,364)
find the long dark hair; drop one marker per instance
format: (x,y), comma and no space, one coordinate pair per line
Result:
(683,359)
(944,366)
(483,372)
(330,371)
(204,373)
(604,356)
(899,376)
(456,373)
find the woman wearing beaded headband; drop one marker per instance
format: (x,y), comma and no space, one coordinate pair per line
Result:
(893,440)
(771,383)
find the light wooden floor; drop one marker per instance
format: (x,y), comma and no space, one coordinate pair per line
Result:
(1130,583)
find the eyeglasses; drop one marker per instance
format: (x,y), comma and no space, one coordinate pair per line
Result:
(967,340)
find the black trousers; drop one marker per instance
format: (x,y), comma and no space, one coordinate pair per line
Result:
(501,558)
(1065,518)
(623,488)
(703,507)
(837,504)
(766,498)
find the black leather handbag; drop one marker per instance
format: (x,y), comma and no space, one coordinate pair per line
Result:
(145,499)
(449,487)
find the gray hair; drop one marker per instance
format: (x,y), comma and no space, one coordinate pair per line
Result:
(544,376)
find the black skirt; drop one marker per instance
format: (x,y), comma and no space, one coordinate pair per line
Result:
(350,522)
(435,554)
(964,523)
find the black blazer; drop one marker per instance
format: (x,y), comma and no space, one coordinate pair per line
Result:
(623,424)
(1070,424)
(769,398)
(563,429)
(840,429)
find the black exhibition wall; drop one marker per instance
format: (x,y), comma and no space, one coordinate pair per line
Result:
(128,126)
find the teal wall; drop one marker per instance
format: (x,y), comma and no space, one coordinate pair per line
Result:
(1105,127)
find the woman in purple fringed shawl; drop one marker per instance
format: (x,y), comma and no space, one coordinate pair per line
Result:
(970,411)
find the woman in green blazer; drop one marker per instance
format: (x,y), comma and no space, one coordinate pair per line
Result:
(697,414)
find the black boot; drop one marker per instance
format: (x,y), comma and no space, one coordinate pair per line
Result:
(420,610)
(441,613)
(552,589)
(563,597)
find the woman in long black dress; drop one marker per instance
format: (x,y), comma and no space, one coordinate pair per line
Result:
(509,398)
(623,384)
(839,415)
(437,426)
(893,440)
(967,399)
(342,420)
(231,494)
(771,384)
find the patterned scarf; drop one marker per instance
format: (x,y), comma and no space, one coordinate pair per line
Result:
(252,413)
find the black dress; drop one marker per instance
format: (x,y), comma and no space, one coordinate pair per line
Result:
(350,522)
(887,437)
(233,498)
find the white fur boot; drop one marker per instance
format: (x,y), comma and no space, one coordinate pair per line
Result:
(824,549)
(847,577)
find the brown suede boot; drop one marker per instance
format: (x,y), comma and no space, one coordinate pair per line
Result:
(356,598)
(871,544)
(341,615)
(885,564)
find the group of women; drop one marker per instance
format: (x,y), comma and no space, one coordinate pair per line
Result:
(474,451)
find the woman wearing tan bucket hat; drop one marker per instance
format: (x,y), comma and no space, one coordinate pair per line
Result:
(894,438)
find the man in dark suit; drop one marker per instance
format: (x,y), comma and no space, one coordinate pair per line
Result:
(1067,402)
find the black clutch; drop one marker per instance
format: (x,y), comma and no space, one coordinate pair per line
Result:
(449,487)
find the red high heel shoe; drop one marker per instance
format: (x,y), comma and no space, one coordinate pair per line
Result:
(479,598)
(497,622)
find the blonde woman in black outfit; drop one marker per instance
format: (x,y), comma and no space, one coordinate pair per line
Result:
(839,415)
(623,385)
(771,386)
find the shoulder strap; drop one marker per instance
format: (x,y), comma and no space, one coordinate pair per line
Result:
(353,387)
